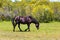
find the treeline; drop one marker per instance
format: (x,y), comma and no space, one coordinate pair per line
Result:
(42,10)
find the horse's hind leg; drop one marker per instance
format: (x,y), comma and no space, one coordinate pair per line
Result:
(19,27)
(14,27)
(28,27)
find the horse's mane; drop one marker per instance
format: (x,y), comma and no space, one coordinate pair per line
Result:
(30,17)
(34,19)
(27,16)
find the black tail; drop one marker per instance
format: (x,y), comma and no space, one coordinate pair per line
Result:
(13,21)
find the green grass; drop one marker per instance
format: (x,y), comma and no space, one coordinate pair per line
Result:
(47,31)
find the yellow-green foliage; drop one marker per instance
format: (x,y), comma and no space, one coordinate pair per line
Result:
(42,10)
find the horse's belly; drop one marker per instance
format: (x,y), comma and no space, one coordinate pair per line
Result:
(23,22)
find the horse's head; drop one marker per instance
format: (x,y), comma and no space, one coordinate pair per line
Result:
(36,23)
(37,26)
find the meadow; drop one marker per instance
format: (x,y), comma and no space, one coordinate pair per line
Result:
(47,31)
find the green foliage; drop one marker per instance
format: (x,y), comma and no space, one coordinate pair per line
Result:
(43,11)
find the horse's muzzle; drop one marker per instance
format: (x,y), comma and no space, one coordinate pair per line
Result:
(38,28)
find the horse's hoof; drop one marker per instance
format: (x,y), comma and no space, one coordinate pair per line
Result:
(28,30)
(25,30)
(13,30)
(21,30)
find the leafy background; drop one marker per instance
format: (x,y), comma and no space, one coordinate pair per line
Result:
(42,10)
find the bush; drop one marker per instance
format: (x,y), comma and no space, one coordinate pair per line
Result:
(43,13)
(57,17)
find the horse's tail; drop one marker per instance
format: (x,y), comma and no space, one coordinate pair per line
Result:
(13,19)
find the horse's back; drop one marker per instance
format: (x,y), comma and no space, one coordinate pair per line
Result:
(23,19)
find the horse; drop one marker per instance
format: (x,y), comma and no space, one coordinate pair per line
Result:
(17,20)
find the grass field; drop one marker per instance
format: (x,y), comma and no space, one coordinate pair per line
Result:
(47,31)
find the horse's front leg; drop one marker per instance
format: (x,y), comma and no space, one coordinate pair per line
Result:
(28,27)
(19,27)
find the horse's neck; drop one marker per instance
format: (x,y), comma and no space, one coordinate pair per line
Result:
(35,21)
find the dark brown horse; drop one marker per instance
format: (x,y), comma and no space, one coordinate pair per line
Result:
(24,20)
